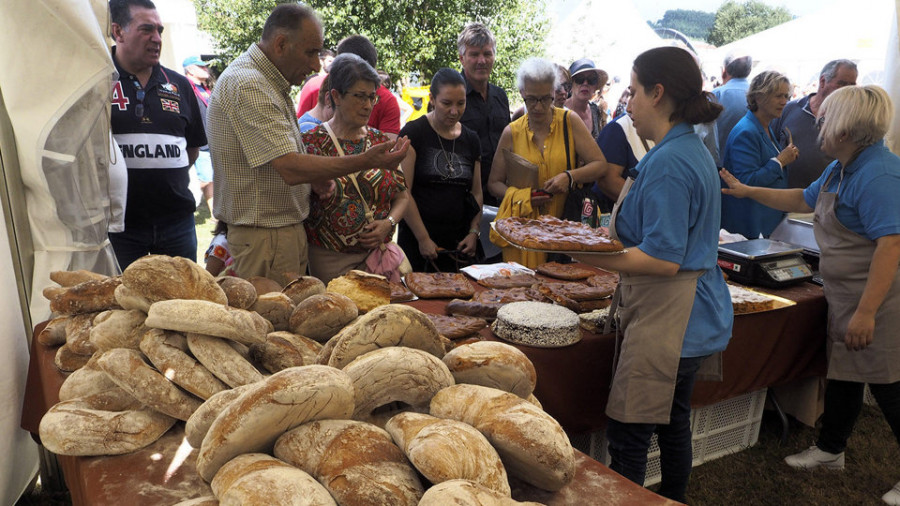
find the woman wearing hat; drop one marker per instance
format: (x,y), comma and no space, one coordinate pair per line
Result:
(586,80)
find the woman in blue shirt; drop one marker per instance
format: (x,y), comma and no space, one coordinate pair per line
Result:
(857,228)
(753,155)
(673,303)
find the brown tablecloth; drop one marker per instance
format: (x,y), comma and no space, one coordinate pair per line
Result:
(767,349)
(164,473)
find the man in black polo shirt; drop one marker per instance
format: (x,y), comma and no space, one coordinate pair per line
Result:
(156,122)
(487,107)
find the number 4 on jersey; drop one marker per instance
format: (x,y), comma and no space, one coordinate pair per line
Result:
(119,99)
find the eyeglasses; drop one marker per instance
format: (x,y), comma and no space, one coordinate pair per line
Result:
(591,78)
(362,98)
(566,87)
(819,122)
(139,108)
(531,101)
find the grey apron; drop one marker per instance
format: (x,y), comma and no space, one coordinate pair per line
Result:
(844,264)
(653,312)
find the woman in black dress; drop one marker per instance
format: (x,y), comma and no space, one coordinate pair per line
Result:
(443,174)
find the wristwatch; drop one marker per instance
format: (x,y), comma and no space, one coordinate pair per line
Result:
(475,231)
(392,220)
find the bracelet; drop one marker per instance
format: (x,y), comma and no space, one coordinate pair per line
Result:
(571,179)
(392,220)
(475,231)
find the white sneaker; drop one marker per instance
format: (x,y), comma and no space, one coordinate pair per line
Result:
(892,496)
(814,457)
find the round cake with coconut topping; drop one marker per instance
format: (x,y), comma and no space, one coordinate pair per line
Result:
(537,324)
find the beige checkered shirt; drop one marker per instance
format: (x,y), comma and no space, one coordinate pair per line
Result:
(250,122)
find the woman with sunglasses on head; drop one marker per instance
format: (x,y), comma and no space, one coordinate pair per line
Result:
(672,303)
(443,174)
(540,138)
(586,80)
(857,228)
(354,214)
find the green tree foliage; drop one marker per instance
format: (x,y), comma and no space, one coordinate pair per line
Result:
(694,24)
(413,37)
(734,20)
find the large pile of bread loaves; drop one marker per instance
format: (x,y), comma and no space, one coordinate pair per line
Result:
(295,395)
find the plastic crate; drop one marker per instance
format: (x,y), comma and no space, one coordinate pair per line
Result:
(718,430)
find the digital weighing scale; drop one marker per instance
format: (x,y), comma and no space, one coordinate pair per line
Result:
(764,262)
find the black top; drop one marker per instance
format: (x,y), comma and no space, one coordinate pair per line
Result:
(154,144)
(487,118)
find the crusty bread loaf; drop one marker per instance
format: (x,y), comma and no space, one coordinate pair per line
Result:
(78,334)
(88,297)
(161,277)
(275,307)
(243,464)
(129,299)
(207,500)
(492,364)
(204,317)
(303,287)
(54,333)
(198,424)
(393,325)
(51,292)
(445,450)
(534,400)
(279,403)
(72,278)
(467,493)
(357,462)
(284,486)
(128,370)
(66,361)
(284,349)
(321,316)
(367,291)
(531,443)
(118,328)
(223,361)
(168,352)
(240,292)
(395,374)
(87,380)
(72,428)
(264,285)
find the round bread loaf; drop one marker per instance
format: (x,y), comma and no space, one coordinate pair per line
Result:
(161,277)
(367,291)
(129,299)
(118,328)
(395,374)
(531,443)
(198,424)
(537,324)
(240,292)
(284,486)
(445,450)
(204,317)
(238,467)
(74,428)
(222,360)
(275,307)
(283,401)
(168,352)
(393,325)
(88,380)
(357,462)
(322,316)
(303,288)
(467,493)
(207,500)
(492,364)
(264,285)
(128,370)
(284,349)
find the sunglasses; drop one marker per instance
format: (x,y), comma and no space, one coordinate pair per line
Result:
(139,108)
(591,79)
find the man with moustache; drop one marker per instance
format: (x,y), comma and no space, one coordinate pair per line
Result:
(263,177)
(156,121)
(487,106)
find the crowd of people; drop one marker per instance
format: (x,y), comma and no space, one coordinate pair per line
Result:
(322,187)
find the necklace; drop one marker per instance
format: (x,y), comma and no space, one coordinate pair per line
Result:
(447,157)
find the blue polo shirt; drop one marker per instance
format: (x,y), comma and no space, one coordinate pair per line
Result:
(672,213)
(868,202)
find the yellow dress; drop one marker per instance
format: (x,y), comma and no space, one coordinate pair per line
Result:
(550,162)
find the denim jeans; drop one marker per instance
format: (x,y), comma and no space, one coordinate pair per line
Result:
(843,402)
(629,442)
(178,238)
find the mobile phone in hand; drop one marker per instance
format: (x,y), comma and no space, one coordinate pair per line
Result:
(540,193)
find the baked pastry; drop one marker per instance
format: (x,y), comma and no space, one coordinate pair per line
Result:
(548,233)
(439,285)
(747,301)
(486,310)
(367,291)
(456,327)
(503,296)
(577,296)
(571,272)
(400,293)
(537,324)
(607,280)
(595,320)
(511,281)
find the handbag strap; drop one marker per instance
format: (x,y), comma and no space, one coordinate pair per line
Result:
(566,139)
(370,211)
